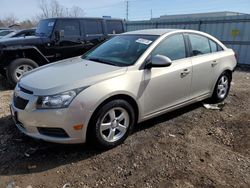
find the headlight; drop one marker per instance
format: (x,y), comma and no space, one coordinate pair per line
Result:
(61,100)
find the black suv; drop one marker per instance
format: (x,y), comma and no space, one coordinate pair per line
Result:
(56,39)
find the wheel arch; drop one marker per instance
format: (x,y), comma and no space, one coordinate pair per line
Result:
(33,53)
(125,97)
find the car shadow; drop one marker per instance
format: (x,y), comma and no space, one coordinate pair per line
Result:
(20,154)
(4,85)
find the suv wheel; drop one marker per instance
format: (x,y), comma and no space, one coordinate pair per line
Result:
(112,124)
(18,67)
(222,88)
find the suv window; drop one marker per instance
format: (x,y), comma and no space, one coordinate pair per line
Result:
(71,27)
(93,27)
(199,44)
(114,27)
(172,47)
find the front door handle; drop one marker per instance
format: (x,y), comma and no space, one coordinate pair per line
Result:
(214,63)
(185,72)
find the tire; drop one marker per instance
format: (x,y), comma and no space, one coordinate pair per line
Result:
(3,72)
(111,124)
(18,67)
(221,88)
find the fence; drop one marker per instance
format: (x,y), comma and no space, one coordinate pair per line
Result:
(233,31)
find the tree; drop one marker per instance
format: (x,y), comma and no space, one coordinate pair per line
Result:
(53,8)
(10,20)
(76,12)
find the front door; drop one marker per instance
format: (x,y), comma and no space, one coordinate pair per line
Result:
(168,86)
(71,42)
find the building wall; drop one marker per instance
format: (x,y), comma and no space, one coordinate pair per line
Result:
(233,31)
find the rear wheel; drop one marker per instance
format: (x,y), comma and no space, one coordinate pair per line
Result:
(18,67)
(222,88)
(112,124)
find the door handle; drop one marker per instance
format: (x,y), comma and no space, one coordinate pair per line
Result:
(185,72)
(214,63)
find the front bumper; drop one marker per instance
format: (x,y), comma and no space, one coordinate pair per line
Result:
(30,120)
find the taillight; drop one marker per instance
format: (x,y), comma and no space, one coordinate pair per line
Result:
(235,55)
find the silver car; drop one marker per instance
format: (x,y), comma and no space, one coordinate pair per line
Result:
(130,78)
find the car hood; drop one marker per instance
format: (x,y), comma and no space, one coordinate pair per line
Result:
(67,75)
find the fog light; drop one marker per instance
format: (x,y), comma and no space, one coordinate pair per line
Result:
(78,127)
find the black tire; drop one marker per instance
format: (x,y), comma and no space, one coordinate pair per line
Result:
(216,98)
(14,65)
(94,134)
(3,72)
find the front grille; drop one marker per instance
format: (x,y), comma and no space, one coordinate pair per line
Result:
(20,103)
(25,90)
(53,132)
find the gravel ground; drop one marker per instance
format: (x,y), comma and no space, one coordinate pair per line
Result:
(191,147)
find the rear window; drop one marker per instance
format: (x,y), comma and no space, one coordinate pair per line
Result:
(93,27)
(114,27)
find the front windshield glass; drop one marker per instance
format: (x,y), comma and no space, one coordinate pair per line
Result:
(122,50)
(3,33)
(45,27)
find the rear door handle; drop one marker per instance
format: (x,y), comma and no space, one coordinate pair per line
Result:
(185,72)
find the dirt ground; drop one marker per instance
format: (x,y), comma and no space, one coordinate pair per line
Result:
(191,147)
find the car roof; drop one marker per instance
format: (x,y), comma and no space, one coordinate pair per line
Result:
(151,31)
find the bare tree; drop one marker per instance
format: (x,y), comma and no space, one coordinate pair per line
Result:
(43,6)
(1,23)
(52,8)
(56,9)
(10,20)
(27,24)
(76,12)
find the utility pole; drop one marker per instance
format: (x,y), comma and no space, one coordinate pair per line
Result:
(127,6)
(151,13)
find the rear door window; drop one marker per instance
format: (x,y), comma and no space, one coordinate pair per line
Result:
(114,27)
(214,46)
(93,27)
(71,28)
(199,44)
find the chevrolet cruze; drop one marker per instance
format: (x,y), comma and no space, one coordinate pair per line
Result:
(130,78)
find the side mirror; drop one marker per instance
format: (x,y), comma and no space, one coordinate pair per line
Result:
(159,61)
(59,35)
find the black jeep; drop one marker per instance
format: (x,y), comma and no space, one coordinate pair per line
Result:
(55,39)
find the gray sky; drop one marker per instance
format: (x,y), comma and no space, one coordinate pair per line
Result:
(138,9)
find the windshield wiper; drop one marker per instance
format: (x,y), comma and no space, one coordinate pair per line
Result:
(102,61)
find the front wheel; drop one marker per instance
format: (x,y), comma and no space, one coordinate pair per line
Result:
(221,89)
(18,67)
(112,124)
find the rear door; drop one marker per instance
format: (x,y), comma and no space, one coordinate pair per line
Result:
(167,87)
(204,65)
(93,32)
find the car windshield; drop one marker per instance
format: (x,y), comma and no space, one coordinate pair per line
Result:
(122,50)
(45,27)
(3,33)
